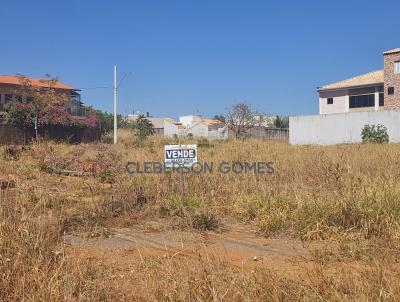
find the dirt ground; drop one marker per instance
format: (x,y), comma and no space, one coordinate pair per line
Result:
(238,244)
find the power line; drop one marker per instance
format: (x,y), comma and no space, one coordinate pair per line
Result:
(123,78)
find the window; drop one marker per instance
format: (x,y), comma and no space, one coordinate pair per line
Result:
(329,101)
(8,98)
(11,97)
(397,67)
(390,90)
(359,101)
(381,99)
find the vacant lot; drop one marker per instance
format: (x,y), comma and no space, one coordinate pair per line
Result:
(325,226)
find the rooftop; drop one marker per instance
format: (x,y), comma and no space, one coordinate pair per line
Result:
(13,80)
(370,78)
(392,51)
(212,122)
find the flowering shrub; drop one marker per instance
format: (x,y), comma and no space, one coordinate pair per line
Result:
(25,114)
(20,114)
(56,115)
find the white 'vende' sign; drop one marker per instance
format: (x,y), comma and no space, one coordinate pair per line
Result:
(180,155)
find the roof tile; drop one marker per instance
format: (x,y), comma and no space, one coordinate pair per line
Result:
(13,80)
(370,78)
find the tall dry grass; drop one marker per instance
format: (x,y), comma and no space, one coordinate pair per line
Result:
(347,194)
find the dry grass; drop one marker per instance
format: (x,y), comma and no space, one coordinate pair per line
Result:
(345,198)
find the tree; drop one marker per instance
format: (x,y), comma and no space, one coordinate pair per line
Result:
(106,120)
(42,97)
(220,118)
(143,128)
(242,118)
(281,122)
(19,114)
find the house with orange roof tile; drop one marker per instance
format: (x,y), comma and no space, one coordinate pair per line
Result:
(10,85)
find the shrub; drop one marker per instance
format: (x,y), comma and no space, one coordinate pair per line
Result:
(143,128)
(107,139)
(19,114)
(205,222)
(374,134)
(203,142)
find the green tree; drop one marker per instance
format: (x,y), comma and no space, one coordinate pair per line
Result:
(220,117)
(281,122)
(142,127)
(41,96)
(20,114)
(106,120)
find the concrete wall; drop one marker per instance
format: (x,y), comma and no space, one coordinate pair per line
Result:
(341,128)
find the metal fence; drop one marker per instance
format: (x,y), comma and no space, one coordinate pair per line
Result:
(266,133)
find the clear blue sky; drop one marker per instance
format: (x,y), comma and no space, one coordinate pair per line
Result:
(198,56)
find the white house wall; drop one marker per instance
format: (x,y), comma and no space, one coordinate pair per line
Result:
(340,102)
(188,120)
(170,129)
(341,128)
(221,133)
(199,130)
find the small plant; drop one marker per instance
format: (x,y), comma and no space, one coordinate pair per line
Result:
(374,134)
(205,222)
(107,139)
(11,153)
(203,142)
(107,177)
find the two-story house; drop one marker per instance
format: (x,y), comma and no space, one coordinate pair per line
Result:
(373,91)
(9,91)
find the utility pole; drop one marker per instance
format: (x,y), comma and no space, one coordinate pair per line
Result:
(115,104)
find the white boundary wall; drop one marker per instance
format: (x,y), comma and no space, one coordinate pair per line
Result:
(341,128)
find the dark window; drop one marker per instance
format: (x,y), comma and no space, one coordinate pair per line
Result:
(358,101)
(381,99)
(390,90)
(8,98)
(330,101)
(29,99)
(11,97)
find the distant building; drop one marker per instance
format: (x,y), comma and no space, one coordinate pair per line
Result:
(208,128)
(172,128)
(190,125)
(188,120)
(10,85)
(373,91)
(158,122)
